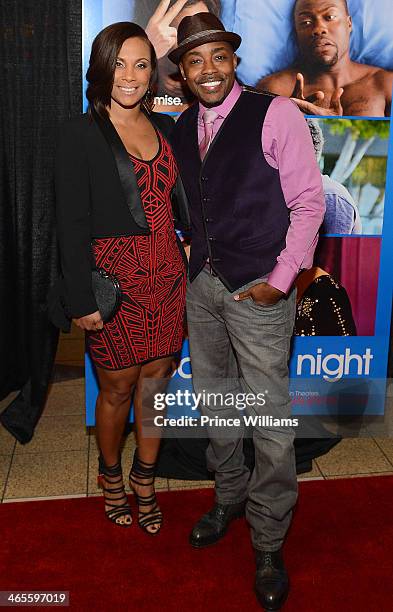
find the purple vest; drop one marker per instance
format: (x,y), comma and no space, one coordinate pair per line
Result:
(239,218)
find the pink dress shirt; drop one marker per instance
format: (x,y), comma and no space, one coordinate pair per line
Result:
(287,146)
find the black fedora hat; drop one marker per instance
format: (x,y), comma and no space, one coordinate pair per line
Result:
(199,29)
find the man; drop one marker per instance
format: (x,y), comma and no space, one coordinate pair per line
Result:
(256,203)
(161,20)
(324,80)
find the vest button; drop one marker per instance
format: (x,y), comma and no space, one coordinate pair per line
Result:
(205,199)
(203,178)
(211,239)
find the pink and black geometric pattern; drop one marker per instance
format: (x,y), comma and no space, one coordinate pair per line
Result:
(152,275)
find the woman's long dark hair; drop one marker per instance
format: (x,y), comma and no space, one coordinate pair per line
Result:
(104,52)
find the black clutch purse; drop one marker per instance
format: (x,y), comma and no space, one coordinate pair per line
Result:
(107,293)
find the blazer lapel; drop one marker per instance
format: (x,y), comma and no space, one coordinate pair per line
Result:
(159,125)
(125,169)
(179,201)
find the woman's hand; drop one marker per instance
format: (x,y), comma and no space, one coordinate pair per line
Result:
(187,248)
(91,322)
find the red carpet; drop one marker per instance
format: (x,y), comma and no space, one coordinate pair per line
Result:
(339,553)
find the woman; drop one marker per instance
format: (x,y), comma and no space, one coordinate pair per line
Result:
(114,176)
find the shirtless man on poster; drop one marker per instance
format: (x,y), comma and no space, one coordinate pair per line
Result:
(324,80)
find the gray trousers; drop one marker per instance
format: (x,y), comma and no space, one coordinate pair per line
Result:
(241,347)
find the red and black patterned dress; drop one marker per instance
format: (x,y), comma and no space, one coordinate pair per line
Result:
(152,275)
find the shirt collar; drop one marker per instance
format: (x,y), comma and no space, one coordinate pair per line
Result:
(227,105)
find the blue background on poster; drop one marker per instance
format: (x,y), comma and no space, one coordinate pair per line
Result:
(266,28)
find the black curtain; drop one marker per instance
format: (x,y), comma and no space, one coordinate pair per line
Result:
(40,84)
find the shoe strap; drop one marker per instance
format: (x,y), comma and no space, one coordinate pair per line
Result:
(109,470)
(142,468)
(150,518)
(145,471)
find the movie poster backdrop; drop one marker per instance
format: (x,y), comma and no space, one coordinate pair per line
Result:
(343,373)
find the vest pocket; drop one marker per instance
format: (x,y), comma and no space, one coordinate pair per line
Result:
(256,241)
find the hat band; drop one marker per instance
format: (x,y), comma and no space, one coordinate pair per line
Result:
(200,35)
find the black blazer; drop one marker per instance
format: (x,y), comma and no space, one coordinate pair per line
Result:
(96,196)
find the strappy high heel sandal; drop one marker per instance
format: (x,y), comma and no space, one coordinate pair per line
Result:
(141,470)
(110,479)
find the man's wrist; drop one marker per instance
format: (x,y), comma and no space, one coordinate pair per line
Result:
(282,277)
(275,291)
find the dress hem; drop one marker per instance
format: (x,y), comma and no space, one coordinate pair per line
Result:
(173,354)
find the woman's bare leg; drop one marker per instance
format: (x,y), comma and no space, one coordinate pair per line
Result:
(112,409)
(159,369)
(148,445)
